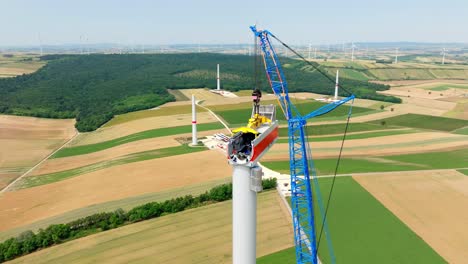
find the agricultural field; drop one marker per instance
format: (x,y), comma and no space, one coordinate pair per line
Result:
(26,141)
(126,204)
(114,183)
(424,122)
(368,70)
(358,221)
(143,156)
(12,65)
(183,237)
(240,115)
(129,128)
(428,203)
(363,163)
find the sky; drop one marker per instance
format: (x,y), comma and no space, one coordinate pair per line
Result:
(24,22)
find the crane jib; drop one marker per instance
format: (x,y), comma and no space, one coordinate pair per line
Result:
(301,164)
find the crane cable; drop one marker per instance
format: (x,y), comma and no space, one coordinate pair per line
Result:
(310,63)
(342,142)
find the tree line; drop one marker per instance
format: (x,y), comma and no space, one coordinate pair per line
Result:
(29,241)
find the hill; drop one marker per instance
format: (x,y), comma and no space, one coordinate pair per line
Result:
(94,88)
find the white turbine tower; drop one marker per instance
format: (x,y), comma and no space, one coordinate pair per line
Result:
(315,53)
(194,122)
(443,56)
(81,44)
(310,48)
(352,51)
(218,83)
(87,45)
(40,42)
(396,55)
(335,98)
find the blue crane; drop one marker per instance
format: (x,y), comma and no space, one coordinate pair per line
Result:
(301,163)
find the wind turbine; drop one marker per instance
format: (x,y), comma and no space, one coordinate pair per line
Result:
(310,47)
(87,44)
(443,56)
(40,42)
(352,51)
(396,55)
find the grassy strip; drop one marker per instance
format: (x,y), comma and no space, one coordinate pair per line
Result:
(419,161)
(162,111)
(318,130)
(160,132)
(285,256)
(462,131)
(347,165)
(424,122)
(436,160)
(240,116)
(29,241)
(32,181)
(358,221)
(464,171)
(355,136)
(447,86)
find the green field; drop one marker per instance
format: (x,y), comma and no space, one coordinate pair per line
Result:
(159,132)
(201,235)
(461,131)
(449,73)
(444,87)
(402,74)
(330,129)
(362,230)
(356,136)
(350,74)
(424,122)
(241,116)
(163,111)
(32,181)
(126,204)
(421,161)
(285,256)
(464,171)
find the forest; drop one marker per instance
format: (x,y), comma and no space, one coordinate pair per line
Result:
(93,88)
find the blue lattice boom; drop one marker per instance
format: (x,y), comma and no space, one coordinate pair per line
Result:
(299,154)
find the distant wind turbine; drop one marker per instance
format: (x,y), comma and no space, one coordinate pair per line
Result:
(40,42)
(396,55)
(443,56)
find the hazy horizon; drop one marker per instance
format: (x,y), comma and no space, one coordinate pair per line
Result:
(53,22)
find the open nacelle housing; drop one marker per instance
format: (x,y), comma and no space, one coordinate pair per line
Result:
(248,145)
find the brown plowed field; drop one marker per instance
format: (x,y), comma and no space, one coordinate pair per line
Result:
(25,141)
(29,205)
(432,203)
